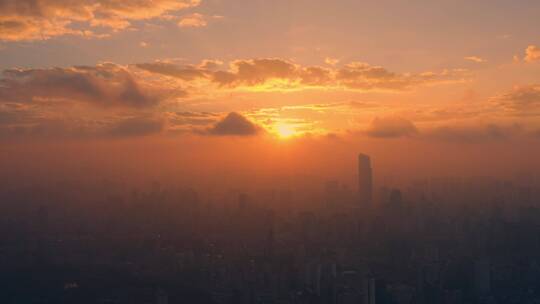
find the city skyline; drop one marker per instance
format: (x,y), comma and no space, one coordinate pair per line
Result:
(269,152)
(432,241)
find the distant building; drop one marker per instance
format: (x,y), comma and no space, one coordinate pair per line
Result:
(369,290)
(242,201)
(365,179)
(482,277)
(331,193)
(161,297)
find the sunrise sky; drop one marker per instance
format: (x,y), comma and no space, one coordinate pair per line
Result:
(460,72)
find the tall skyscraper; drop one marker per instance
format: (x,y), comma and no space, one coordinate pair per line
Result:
(369,291)
(365,179)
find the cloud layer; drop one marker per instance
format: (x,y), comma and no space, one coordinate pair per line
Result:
(106,85)
(193,20)
(475,133)
(275,73)
(163,97)
(521,100)
(43,19)
(532,53)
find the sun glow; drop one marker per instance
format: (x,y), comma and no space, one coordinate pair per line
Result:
(285,130)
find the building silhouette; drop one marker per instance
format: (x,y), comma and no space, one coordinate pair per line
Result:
(365,179)
(369,290)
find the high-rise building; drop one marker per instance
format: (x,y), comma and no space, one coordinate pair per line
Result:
(161,297)
(482,277)
(365,179)
(331,193)
(369,290)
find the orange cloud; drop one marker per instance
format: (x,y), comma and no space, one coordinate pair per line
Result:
(532,53)
(163,97)
(359,75)
(522,100)
(255,71)
(193,20)
(275,73)
(210,64)
(186,73)
(43,19)
(475,59)
(331,61)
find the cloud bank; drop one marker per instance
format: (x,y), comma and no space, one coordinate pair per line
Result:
(107,85)
(44,19)
(275,73)
(532,53)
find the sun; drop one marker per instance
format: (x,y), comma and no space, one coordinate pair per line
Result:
(285,130)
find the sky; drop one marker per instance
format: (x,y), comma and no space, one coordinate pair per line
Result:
(456,80)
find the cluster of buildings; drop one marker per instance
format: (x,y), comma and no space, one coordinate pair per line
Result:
(437,241)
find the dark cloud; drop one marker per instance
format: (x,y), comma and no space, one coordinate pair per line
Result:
(316,76)
(16,116)
(43,128)
(104,85)
(391,127)
(63,128)
(233,124)
(192,118)
(137,126)
(475,134)
(13,116)
(255,71)
(170,69)
(363,76)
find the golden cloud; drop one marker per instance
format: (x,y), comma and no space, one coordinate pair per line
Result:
(43,19)
(331,61)
(475,59)
(532,53)
(148,98)
(521,100)
(276,73)
(193,20)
